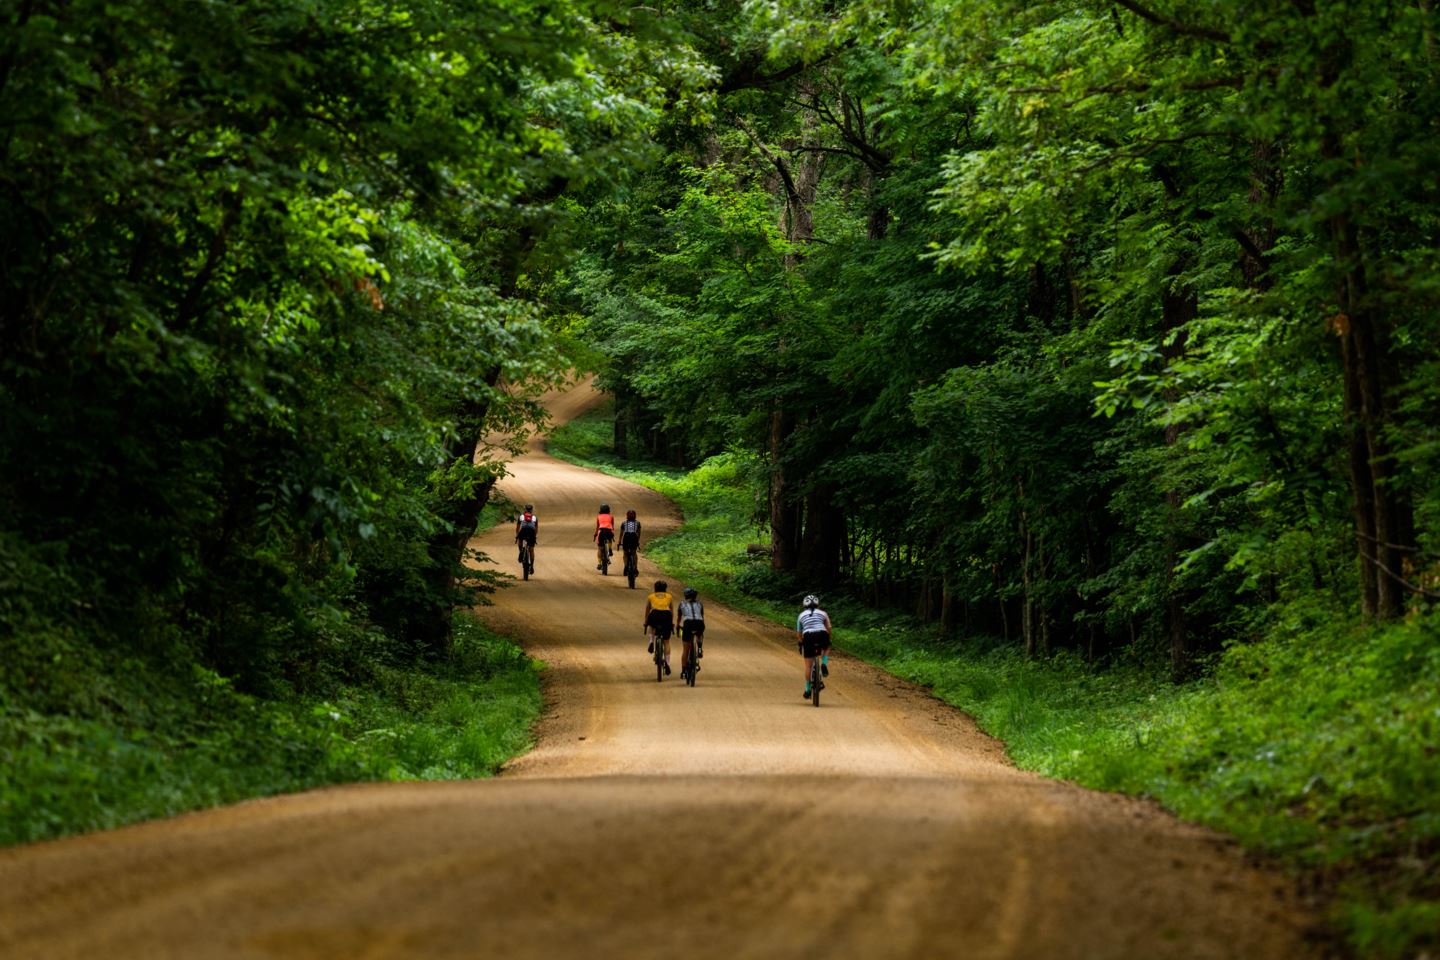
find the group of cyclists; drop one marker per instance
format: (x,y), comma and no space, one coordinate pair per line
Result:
(606,533)
(812,626)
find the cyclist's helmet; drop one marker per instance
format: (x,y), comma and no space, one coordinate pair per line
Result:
(811,600)
(661,586)
(604,508)
(629,514)
(690,593)
(529,508)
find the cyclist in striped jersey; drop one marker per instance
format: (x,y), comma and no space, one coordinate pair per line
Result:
(812,630)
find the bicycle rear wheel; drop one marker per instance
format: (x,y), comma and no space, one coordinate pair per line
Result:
(815,682)
(690,665)
(525,563)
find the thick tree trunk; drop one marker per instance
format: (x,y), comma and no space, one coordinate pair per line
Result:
(784,515)
(823,541)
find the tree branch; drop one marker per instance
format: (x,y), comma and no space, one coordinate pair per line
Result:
(1235,81)
(1204,33)
(791,191)
(190,305)
(1412,587)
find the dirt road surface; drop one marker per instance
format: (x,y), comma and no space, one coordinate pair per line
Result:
(731,820)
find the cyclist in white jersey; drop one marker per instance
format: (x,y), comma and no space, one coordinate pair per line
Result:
(812,631)
(691,615)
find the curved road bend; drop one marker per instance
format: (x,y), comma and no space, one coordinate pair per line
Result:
(731,820)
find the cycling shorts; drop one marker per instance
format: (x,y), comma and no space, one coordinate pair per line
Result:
(527,534)
(662,622)
(629,540)
(606,534)
(692,628)
(814,644)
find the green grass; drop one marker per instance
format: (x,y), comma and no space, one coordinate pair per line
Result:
(156,745)
(1319,746)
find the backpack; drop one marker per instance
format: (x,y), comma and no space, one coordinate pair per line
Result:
(527,522)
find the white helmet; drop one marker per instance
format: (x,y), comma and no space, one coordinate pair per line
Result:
(811,600)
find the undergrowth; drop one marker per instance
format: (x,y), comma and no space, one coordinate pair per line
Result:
(140,742)
(1318,745)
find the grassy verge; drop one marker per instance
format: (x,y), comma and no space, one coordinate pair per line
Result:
(149,744)
(1319,746)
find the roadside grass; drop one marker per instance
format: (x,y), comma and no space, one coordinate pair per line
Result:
(1319,745)
(154,744)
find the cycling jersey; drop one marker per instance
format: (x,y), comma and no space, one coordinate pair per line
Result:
(630,533)
(606,521)
(812,621)
(691,610)
(659,601)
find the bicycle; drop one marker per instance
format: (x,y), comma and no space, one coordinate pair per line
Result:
(815,683)
(604,558)
(658,646)
(692,662)
(527,559)
(632,566)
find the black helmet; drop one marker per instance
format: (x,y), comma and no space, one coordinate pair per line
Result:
(629,514)
(690,593)
(604,508)
(661,586)
(529,507)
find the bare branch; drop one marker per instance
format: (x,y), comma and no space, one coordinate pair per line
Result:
(1412,587)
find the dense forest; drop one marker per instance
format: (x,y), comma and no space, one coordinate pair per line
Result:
(1104,330)
(907,265)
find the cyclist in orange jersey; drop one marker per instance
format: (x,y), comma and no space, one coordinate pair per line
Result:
(604,535)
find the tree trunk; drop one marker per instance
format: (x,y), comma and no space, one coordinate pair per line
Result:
(1027,579)
(447,546)
(1382,514)
(823,540)
(1384,521)
(1179,305)
(784,515)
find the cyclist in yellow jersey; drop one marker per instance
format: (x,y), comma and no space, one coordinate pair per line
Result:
(660,619)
